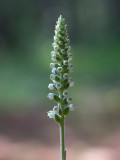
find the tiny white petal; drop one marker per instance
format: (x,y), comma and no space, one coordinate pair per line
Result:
(65,93)
(69,99)
(65,62)
(54,70)
(65,75)
(56,109)
(52,65)
(54,81)
(51,114)
(51,86)
(52,77)
(72,107)
(71,84)
(59,69)
(51,96)
(58,85)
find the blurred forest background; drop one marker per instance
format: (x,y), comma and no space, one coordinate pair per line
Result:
(26,36)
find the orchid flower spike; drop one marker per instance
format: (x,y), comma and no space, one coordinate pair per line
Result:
(61,81)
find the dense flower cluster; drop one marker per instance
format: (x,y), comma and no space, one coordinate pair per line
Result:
(61,66)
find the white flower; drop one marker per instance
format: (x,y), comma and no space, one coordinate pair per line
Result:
(70,59)
(69,99)
(72,107)
(65,93)
(52,77)
(54,70)
(58,85)
(54,81)
(53,58)
(51,96)
(67,40)
(70,65)
(53,53)
(65,62)
(65,75)
(55,47)
(51,114)
(62,51)
(71,69)
(56,109)
(70,79)
(52,65)
(51,86)
(69,48)
(69,55)
(60,42)
(59,69)
(71,84)
(66,45)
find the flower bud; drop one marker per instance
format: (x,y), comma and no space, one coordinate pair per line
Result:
(51,114)
(65,75)
(69,55)
(65,93)
(59,69)
(51,96)
(71,69)
(70,79)
(71,84)
(65,62)
(53,58)
(54,70)
(52,65)
(58,85)
(69,99)
(56,109)
(70,65)
(72,107)
(54,81)
(52,77)
(53,53)
(70,59)
(62,51)
(51,86)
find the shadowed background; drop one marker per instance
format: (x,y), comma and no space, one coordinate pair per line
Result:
(26,36)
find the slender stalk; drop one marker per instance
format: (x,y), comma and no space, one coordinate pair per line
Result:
(61,80)
(62,139)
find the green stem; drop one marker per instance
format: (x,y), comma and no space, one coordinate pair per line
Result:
(62,139)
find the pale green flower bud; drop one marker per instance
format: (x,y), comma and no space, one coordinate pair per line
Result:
(65,76)
(65,62)
(58,85)
(54,81)
(69,99)
(52,77)
(53,58)
(51,114)
(69,55)
(53,53)
(54,70)
(56,109)
(62,51)
(72,107)
(51,86)
(51,96)
(71,84)
(65,93)
(71,69)
(70,79)
(52,65)
(59,69)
